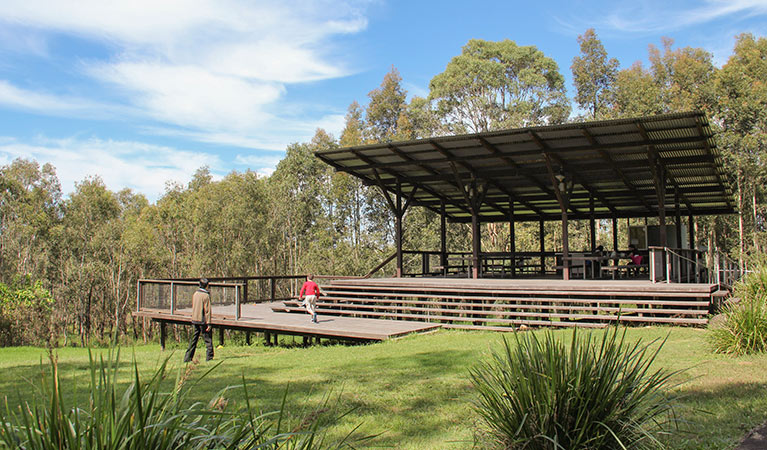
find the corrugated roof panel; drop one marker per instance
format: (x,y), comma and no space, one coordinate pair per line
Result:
(616,168)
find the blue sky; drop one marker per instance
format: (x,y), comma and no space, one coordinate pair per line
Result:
(145,92)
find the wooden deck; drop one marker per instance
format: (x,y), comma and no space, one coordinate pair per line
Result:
(261,318)
(506,304)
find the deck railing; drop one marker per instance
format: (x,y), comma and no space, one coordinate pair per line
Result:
(175,295)
(421,263)
(677,265)
(726,270)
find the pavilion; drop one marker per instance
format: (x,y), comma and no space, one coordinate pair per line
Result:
(659,166)
(656,166)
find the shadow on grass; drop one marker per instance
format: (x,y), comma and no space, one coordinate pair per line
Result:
(719,417)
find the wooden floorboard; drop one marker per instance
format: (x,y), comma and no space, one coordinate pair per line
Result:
(536,284)
(262,318)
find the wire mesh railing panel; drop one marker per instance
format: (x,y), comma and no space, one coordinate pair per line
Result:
(155,296)
(183,296)
(273,289)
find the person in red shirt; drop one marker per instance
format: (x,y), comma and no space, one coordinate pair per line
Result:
(310,291)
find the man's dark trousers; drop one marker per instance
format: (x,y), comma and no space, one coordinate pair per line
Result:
(206,337)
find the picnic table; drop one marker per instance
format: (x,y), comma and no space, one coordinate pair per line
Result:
(584,260)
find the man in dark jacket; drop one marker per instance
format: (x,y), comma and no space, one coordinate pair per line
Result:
(201,318)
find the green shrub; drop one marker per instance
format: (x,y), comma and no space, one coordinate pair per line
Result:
(743,326)
(591,394)
(144,416)
(25,312)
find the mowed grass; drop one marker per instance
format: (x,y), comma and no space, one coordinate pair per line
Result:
(416,390)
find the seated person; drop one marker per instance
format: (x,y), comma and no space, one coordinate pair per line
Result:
(635,258)
(599,252)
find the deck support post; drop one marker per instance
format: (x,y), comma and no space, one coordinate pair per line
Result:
(398,209)
(565,248)
(542,237)
(659,177)
(221,336)
(443,238)
(398,213)
(474,194)
(592,224)
(163,335)
(267,338)
(476,244)
(563,186)
(691,231)
(678,214)
(512,238)
(247,338)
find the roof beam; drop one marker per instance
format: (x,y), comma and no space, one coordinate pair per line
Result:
(651,147)
(495,183)
(412,160)
(615,168)
(576,178)
(497,153)
(398,176)
(708,149)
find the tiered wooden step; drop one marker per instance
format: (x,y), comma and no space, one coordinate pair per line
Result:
(507,304)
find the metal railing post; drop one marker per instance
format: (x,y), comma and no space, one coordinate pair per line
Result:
(138,295)
(273,288)
(237,303)
(697,267)
(172,298)
(716,268)
(668,265)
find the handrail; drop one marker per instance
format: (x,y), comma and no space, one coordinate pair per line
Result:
(187,282)
(380,266)
(724,270)
(678,254)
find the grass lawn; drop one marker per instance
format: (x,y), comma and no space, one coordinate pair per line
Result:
(416,390)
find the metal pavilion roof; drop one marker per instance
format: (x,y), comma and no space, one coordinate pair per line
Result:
(611,165)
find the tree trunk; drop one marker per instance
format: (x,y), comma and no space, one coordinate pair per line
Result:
(756,220)
(740,219)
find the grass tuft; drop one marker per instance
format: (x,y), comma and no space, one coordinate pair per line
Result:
(541,393)
(743,328)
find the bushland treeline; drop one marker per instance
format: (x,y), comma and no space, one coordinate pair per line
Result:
(69,264)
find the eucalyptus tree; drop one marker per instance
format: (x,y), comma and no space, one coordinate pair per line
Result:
(685,77)
(742,112)
(593,75)
(30,206)
(636,93)
(494,85)
(387,103)
(88,236)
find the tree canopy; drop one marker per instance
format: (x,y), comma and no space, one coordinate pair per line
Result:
(494,85)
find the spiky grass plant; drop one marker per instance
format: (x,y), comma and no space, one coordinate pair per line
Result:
(144,415)
(595,393)
(743,327)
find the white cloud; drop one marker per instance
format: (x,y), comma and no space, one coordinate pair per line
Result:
(193,97)
(262,165)
(663,16)
(274,135)
(213,70)
(26,99)
(142,167)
